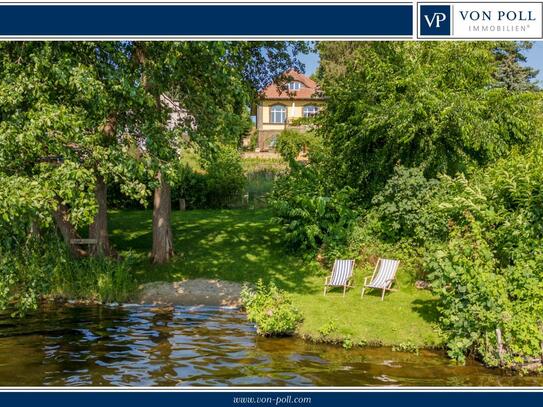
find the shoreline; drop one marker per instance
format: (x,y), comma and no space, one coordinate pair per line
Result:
(215,293)
(531,367)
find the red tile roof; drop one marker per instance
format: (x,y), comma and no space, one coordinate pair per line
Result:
(280,91)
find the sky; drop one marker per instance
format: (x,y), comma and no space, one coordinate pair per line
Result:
(311,62)
(534,59)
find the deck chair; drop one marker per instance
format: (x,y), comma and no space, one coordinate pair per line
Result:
(342,274)
(383,276)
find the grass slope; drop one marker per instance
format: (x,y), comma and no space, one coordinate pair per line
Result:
(242,245)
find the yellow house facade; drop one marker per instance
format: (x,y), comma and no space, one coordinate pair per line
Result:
(279,108)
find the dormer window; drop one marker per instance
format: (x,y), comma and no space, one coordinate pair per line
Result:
(295,85)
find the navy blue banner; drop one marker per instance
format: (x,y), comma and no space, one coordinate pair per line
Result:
(314,399)
(318,21)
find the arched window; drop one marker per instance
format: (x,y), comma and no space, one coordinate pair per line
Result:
(294,85)
(278,114)
(310,110)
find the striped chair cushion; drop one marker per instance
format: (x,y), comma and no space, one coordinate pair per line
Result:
(342,271)
(385,273)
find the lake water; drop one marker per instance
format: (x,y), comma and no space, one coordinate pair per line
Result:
(183,346)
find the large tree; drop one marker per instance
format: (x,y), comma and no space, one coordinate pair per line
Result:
(210,87)
(79,115)
(62,105)
(512,72)
(434,105)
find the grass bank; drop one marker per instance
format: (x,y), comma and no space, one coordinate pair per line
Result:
(241,245)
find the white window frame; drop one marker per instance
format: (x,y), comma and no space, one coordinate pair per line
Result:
(278,116)
(310,110)
(294,85)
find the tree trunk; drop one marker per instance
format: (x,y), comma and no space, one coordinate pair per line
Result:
(162,229)
(66,229)
(98,229)
(162,204)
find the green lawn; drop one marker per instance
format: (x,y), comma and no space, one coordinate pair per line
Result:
(242,245)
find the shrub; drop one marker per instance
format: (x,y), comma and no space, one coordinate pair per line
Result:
(221,180)
(472,295)
(291,142)
(25,273)
(225,177)
(271,310)
(310,212)
(98,279)
(329,328)
(42,267)
(404,207)
(488,275)
(192,187)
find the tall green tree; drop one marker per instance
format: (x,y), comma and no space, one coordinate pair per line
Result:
(211,85)
(62,105)
(92,113)
(512,72)
(434,105)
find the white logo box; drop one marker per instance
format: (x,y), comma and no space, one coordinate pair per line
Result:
(521,20)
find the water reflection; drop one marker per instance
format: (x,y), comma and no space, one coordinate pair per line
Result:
(192,346)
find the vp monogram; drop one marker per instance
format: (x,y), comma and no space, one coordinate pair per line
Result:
(436,18)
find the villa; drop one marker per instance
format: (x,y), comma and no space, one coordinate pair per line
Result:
(281,105)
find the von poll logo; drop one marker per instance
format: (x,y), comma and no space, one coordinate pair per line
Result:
(435,19)
(473,20)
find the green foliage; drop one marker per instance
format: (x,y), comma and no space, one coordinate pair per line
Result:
(25,274)
(513,74)
(488,274)
(271,309)
(434,105)
(41,267)
(191,186)
(52,132)
(419,133)
(347,343)
(404,207)
(98,279)
(225,177)
(253,140)
(406,347)
(291,142)
(75,112)
(21,203)
(221,180)
(328,328)
(310,211)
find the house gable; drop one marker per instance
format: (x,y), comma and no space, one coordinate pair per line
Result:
(309,89)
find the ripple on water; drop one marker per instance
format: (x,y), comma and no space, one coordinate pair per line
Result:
(133,345)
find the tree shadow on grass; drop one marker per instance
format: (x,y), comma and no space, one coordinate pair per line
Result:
(235,245)
(427,309)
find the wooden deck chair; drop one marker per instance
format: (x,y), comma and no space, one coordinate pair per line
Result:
(342,274)
(383,276)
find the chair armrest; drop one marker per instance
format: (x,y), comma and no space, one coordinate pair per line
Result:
(326,280)
(366,280)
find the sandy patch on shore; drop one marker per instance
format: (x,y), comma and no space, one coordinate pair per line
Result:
(191,292)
